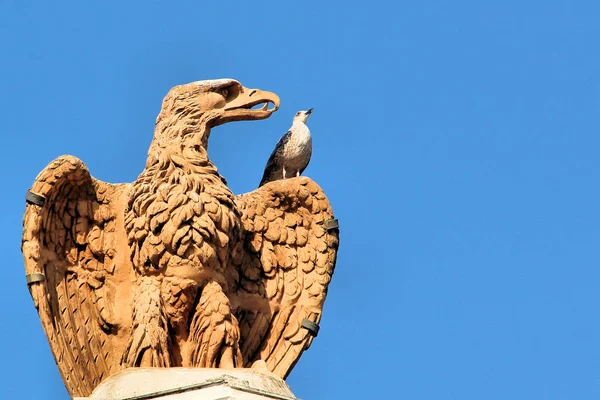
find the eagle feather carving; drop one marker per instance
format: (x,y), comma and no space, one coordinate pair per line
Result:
(174,269)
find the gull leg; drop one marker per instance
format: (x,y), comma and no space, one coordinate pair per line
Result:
(283,172)
(297,173)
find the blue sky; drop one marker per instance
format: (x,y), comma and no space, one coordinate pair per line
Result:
(456,140)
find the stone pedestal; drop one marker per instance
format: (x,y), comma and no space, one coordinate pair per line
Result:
(192,384)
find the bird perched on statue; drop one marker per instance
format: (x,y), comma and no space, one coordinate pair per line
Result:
(292,153)
(173,269)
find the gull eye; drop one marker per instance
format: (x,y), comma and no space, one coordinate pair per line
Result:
(224,92)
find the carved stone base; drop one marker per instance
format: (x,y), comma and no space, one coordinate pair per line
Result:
(192,384)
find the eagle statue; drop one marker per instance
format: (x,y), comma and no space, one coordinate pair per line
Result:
(174,270)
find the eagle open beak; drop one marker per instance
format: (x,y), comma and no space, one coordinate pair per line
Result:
(239,108)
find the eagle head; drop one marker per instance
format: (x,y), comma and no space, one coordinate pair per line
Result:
(190,111)
(218,101)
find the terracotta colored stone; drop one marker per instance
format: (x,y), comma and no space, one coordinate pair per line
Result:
(173,270)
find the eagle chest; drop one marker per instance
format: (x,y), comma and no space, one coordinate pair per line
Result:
(212,222)
(190,219)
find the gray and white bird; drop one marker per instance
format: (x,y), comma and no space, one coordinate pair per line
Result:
(292,153)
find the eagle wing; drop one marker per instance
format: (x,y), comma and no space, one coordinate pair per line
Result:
(273,169)
(69,249)
(290,244)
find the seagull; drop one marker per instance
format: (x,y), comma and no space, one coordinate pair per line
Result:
(292,153)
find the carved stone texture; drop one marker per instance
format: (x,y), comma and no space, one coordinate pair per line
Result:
(173,270)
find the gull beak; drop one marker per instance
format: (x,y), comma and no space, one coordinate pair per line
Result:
(309,111)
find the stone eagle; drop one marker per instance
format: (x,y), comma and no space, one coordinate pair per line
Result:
(174,269)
